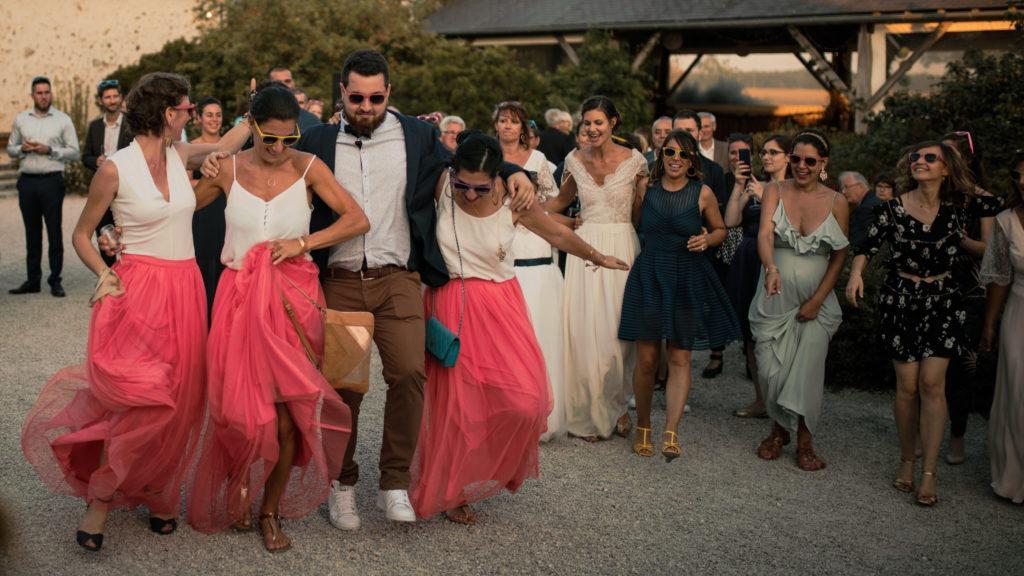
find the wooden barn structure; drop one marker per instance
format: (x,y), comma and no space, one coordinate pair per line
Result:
(885,36)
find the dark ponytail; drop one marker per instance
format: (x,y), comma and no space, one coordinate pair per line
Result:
(477,152)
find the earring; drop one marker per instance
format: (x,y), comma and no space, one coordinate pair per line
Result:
(823,175)
(691,172)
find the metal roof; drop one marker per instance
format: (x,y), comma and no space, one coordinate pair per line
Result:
(471,18)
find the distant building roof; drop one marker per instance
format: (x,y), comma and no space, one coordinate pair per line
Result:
(506,17)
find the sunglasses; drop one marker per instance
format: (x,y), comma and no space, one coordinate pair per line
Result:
(809,161)
(271,139)
(375,99)
(463,187)
(673,152)
(770,152)
(930,157)
(109,84)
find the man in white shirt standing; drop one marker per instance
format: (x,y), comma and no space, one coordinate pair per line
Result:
(43,139)
(106,135)
(710,147)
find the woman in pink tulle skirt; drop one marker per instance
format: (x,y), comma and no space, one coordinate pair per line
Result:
(271,413)
(483,417)
(120,429)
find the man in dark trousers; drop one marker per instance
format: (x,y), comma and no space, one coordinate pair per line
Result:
(43,139)
(107,134)
(390,163)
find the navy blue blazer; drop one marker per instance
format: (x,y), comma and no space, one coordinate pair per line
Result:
(425,159)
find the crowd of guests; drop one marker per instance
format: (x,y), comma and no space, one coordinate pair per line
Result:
(229,248)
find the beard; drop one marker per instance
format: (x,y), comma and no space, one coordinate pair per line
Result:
(365,125)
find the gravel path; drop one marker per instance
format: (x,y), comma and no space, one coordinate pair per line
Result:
(596,510)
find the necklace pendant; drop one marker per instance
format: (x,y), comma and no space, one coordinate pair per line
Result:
(501,254)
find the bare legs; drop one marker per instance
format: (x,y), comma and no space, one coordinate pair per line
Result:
(925,379)
(756,408)
(274,538)
(677,389)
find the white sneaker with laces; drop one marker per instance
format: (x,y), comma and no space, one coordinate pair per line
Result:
(396,505)
(342,505)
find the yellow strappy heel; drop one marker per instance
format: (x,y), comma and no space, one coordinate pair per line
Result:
(670,448)
(642,445)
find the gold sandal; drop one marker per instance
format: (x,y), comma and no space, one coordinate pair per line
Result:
(905,485)
(670,448)
(244,523)
(272,533)
(642,442)
(927,500)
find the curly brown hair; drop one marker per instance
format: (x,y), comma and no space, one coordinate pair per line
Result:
(955,188)
(517,110)
(150,97)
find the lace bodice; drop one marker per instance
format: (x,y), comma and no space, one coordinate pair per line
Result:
(612,202)
(1003,262)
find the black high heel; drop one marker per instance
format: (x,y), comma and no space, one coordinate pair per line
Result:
(158,524)
(713,372)
(91,542)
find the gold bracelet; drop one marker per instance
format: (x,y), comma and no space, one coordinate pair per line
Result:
(302,244)
(771,268)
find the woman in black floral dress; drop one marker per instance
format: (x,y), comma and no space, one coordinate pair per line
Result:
(920,308)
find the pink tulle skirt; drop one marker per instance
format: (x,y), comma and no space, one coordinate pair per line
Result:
(122,427)
(483,418)
(256,361)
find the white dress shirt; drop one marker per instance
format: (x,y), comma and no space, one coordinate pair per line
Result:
(373,171)
(111,133)
(53,128)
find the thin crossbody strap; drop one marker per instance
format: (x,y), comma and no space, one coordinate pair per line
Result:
(462,276)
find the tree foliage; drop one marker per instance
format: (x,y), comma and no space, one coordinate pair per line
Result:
(240,39)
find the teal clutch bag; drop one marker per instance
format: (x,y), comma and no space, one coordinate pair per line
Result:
(442,343)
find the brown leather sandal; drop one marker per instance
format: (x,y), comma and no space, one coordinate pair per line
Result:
(771,447)
(270,529)
(461,515)
(806,459)
(623,426)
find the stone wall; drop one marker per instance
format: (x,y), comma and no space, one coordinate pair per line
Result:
(79,42)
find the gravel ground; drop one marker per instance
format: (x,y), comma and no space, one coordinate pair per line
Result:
(597,509)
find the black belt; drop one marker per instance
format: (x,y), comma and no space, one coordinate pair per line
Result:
(534,262)
(43,175)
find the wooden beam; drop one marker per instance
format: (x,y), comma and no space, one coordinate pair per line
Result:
(813,71)
(569,51)
(819,62)
(646,51)
(679,82)
(908,64)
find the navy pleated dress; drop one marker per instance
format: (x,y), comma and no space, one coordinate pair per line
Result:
(673,294)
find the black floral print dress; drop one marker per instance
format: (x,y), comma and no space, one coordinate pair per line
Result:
(919,319)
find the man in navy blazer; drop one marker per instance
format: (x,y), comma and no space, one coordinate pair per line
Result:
(390,164)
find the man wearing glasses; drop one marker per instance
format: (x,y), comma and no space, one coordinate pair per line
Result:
(854,186)
(390,163)
(43,139)
(107,134)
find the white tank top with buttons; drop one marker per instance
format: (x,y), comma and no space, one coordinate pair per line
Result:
(151,225)
(485,242)
(251,220)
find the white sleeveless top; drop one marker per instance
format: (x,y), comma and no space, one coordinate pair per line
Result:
(528,245)
(150,225)
(486,243)
(251,220)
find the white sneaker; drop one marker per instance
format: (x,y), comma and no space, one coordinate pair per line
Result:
(396,505)
(686,408)
(342,504)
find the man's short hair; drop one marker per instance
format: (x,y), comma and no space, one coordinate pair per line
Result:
(451,120)
(552,116)
(278,69)
(682,114)
(708,116)
(365,63)
(856,176)
(741,137)
(298,91)
(40,80)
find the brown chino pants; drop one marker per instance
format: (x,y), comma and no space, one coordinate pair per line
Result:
(396,302)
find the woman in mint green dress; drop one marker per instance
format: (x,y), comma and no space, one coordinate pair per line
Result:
(802,244)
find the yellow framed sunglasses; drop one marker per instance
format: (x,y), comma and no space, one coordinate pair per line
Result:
(271,139)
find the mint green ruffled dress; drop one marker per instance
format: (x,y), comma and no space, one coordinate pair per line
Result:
(791,354)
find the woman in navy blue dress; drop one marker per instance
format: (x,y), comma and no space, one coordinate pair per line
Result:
(672,293)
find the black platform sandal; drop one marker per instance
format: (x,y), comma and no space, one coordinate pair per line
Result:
(91,542)
(159,525)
